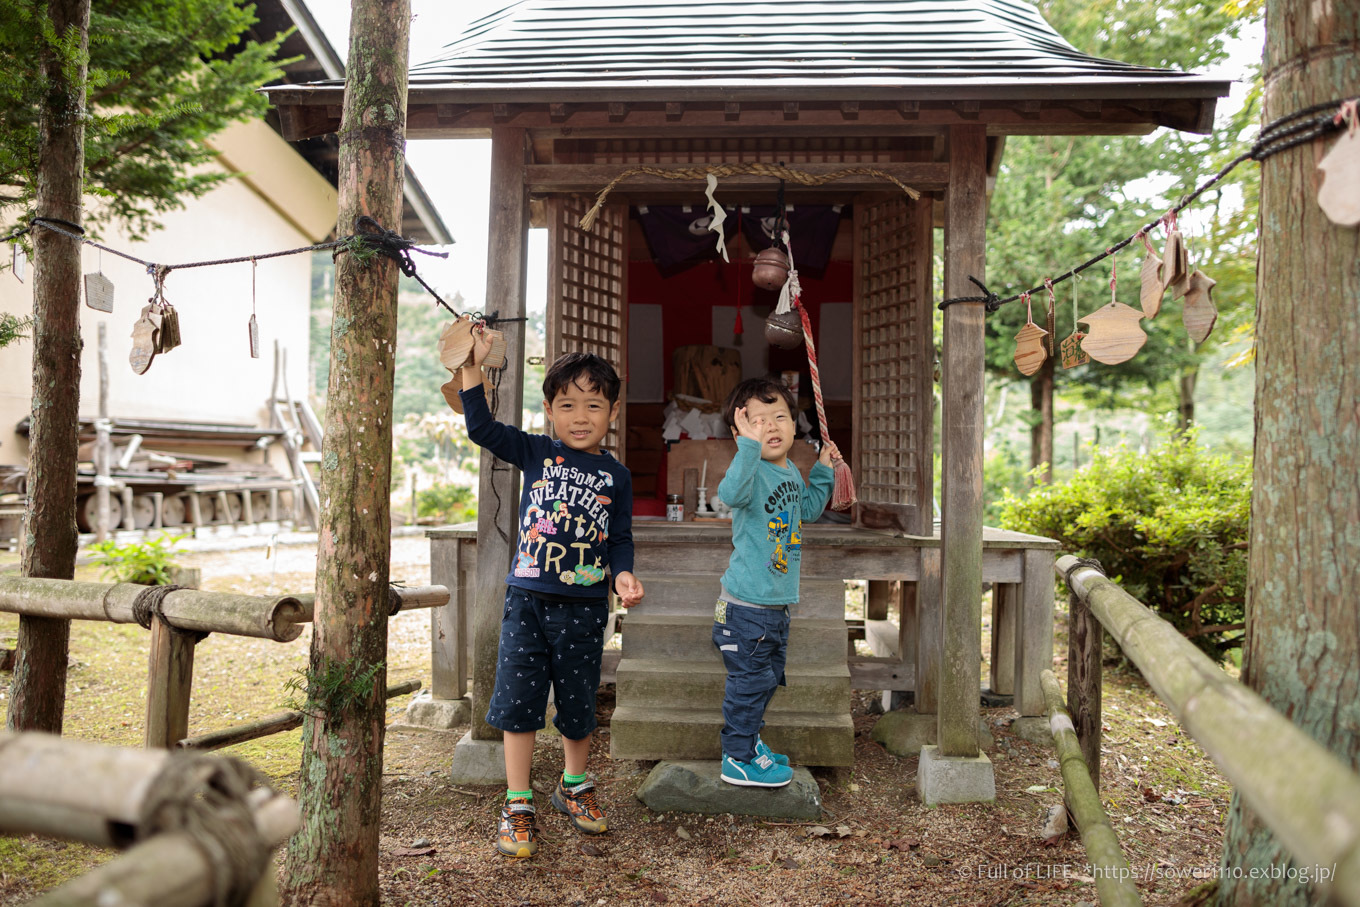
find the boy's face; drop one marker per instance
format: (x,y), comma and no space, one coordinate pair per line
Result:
(776,428)
(581,416)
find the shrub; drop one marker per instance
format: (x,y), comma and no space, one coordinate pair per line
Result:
(1169,526)
(449,503)
(147,562)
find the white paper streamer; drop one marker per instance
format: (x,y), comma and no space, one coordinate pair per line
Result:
(719,215)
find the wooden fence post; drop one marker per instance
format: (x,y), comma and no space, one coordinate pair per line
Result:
(170,678)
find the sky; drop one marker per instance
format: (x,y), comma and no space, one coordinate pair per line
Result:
(456,173)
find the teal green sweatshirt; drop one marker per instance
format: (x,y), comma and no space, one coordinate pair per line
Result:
(769,505)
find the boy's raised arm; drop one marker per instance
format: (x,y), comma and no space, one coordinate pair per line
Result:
(735,488)
(505,441)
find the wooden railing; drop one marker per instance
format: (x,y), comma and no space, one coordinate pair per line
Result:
(1308,797)
(199,830)
(179,619)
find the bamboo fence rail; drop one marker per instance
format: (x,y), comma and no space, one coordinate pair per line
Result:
(1307,796)
(1114,880)
(199,827)
(273,724)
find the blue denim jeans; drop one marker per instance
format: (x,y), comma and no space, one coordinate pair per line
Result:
(547,642)
(754,644)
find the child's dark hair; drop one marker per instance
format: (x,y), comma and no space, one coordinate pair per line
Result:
(766,390)
(586,369)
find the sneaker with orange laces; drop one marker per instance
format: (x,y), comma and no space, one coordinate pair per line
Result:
(578,802)
(516,837)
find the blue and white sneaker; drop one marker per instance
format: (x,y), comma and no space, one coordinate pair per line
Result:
(762,771)
(763,749)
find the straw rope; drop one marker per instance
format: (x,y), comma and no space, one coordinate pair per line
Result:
(759,168)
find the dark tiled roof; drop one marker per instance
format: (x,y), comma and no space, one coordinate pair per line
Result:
(959,47)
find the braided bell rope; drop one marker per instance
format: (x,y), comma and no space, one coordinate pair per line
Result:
(760,168)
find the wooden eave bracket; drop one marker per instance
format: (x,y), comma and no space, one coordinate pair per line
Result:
(969,110)
(850,110)
(790,110)
(502,113)
(674,110)
(305,122)
(618,111)
(732,110)
(558,112)
(909,110)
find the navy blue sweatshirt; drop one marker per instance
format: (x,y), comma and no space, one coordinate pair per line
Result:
(575,508)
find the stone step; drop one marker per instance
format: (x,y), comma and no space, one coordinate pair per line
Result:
(684,637)
(695,595)
(823,688)
(646,732)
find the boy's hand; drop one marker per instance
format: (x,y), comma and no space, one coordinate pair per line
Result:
(481,344)
(749,428)
(629,588)
(830,453)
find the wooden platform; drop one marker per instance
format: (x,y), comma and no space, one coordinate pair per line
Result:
(680,563)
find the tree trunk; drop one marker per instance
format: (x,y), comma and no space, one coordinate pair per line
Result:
(1302,649)
(38,691)
(333,859)
(1185,409)
(1041,435)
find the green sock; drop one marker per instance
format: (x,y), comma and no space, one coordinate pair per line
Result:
(569,780)
(518,795)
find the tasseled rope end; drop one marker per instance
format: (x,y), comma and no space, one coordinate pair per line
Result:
(843,492)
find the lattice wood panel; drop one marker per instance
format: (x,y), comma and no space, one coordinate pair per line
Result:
(894,397)
(587,290)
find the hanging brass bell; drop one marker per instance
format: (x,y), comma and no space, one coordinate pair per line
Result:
(771,269)
(784,330)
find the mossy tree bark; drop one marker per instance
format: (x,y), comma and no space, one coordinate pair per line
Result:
(1302,649)
(38,691)
(333,859)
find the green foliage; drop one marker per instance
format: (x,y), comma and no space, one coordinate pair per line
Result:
(1169,526)
(164,76)
(1004,474)
(13,328)
(147,562)
(448,503)
(333,689)
(1062,199)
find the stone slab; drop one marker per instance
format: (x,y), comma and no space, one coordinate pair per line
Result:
(439,714)
(903,733)
(954,779)
(478,761)
(697,787)
(1034,729)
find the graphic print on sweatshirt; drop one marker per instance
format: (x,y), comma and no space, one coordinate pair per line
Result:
(566,517)
(787,535)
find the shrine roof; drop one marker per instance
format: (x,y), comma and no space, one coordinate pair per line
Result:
(540,52)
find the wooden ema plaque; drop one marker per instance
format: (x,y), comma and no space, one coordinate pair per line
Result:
(99,292)
(1152,286)
(1176,264)
(1070,349)
(1199,313)
(1115,335)
(1339,194)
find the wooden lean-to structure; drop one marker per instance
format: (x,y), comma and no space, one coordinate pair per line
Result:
(848,101)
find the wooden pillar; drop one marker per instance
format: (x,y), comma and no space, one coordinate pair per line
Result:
(965,256)
(449,624)
(1002,662)
(929,633)
(1034,631)
(498,484)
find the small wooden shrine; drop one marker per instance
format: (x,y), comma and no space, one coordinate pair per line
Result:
(892,115)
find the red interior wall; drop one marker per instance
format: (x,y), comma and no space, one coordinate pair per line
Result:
(688,298)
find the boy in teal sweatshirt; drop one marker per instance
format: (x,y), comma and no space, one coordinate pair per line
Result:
(769,503)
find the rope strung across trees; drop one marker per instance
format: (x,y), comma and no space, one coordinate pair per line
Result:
(1287,132)
(759,168)
(370,238)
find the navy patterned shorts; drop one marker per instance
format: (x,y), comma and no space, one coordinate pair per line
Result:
(548,642)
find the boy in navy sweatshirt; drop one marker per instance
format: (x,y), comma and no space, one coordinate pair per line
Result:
(575,526)
(769,502)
